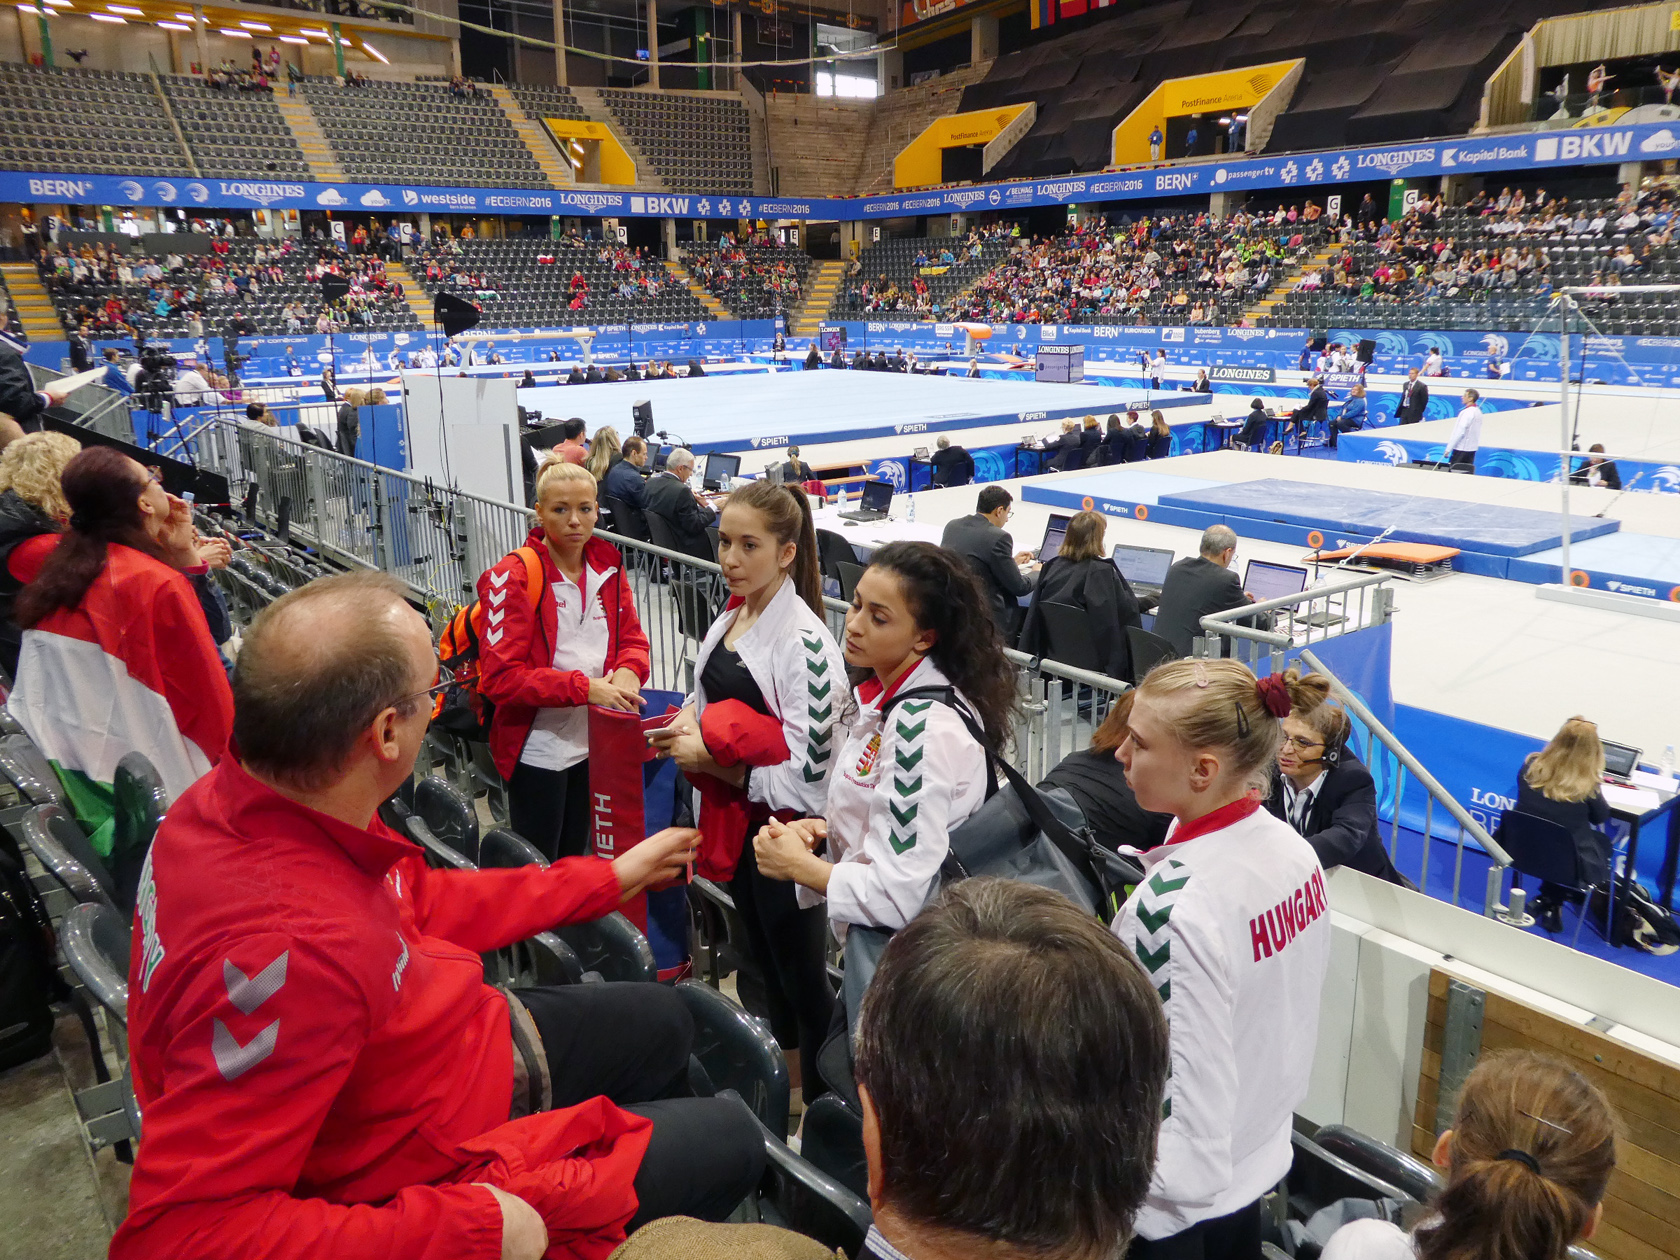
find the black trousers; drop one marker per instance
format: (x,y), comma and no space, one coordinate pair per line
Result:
(1461,458)
(789,946)
(630,1042)
(1233,1237)
(550,808)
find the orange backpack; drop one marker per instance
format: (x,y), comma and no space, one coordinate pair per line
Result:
(462,709)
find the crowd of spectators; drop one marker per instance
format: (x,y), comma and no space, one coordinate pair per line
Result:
(761,272)
(259,77)
(1185,267)
(912,295)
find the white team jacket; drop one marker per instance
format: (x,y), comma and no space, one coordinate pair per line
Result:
(1232,926)
(896,793)
(798,667)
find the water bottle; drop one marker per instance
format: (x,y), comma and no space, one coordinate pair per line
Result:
(1668,762)
(911,500)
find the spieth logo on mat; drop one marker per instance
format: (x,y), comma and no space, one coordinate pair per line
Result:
(769,441)
(917,426)
(1630,588)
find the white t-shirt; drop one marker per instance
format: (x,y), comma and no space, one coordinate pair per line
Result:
(1369,1239)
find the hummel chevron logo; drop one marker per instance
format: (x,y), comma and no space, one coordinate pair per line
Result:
(494,617)
(811,645)
(909,761)
(912,732)
(497,598)
(1153,923)
(493,637)
(813,775)
(234,1060)
(906,816)
(249,992)
(913,707)
(1162,887)
(822,714)
(817,666)
(1154,959)
(908,789)
(820,755)
(498,579)
(819,693)
(901,846)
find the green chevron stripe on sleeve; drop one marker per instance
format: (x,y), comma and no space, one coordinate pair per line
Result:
(1153,960)
(907,789)
(913,707)
(904,816)
(820,755)
(901,846)
(813,775)
(1153,922)
(1161,887)
(818,693)
(1165,991)
(822,714)
(908,760)
(908,733)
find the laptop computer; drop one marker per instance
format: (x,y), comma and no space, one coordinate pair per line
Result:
(1265,580)
(873,505)
(1145,568)
(1620,761)
(717,465)
(1055,533)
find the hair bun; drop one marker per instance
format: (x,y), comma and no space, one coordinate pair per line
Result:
(1273,693)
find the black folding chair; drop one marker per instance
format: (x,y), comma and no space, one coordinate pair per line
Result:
(734,1050)
(1148,651)
(448,815)
(1544,850)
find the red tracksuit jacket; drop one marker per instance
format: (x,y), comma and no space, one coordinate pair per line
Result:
(516,657)
(320,1064)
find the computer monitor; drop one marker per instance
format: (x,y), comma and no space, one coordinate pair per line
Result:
(718,465)
(1055,533)
(1620,760)
(660,455)
(1143,566)
(1265,580)
(877,496)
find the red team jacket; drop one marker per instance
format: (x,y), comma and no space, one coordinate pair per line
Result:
(320,1065)
(516,657)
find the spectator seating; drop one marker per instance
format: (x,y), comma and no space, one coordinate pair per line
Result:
(1489,277)
(528,282)
(234,134)
(1373,75)
(889,273)
(418,133)
(83,301)
(54,119)
(541,101)
(753,281)
(695,143)
(1172,270)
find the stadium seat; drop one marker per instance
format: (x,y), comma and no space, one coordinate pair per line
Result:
(95,940)
(1148,651)
(831,1138)
(448,815)
(795,1194)
(58,843)
(735,1051)
(612,948)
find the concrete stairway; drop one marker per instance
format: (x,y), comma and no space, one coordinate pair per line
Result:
(822,282)
(413,294)
(900,117)
(597,108)
(34,306)
(317,153)
(715,308)
(815,143)
(537,139)
(1285,283)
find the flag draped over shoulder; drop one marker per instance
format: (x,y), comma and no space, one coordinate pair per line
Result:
(131,669)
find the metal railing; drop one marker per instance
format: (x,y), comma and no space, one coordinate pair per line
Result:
(1274,627)
(439,541)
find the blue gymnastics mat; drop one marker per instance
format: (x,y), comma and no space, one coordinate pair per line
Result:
(743,413)
(1119,493)
(1629,564)
(1482,528)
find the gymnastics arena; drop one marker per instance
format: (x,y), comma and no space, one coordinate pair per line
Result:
(1331,355)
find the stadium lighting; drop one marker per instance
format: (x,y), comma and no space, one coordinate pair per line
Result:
(126,10)
(293,39)
(256,26)
(185,17)
(371,51)
(234,34)
(175,26)
(33,11)
(109,17)
(58,4)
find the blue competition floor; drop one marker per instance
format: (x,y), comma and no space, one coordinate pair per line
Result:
(1118,493)
(1646,563)
(745,413)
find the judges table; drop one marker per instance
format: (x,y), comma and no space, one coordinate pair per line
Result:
(866,536)
(1646,799)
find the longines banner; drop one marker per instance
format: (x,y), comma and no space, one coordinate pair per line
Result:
(1530,151)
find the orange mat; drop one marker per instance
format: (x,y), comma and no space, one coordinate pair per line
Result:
(1406,553)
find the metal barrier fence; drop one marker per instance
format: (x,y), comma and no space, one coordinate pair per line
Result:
(1344,605)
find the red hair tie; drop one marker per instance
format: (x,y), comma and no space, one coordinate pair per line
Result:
(1273,693)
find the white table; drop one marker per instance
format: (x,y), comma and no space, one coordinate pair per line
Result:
(1644,800)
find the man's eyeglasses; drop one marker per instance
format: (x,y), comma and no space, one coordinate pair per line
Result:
(445,681)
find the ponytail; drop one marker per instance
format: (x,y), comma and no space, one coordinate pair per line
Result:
(1532,1150)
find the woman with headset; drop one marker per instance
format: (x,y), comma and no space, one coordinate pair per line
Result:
(1321,788)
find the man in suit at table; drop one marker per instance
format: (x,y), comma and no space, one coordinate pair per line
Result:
(1597,471)
(1414,399)
(951,465)
(1316,410)
(989,550)
(670,499)
(1199,586)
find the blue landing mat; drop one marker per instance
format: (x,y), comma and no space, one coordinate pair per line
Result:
(1482,528)
(1123,492)
(744,413)
(1629,564)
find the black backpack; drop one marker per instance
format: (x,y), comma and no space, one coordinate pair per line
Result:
(28,978)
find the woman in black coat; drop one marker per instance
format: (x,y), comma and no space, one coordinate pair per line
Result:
(1082,575)
(1254,428)
(1564,783)
(1098,786)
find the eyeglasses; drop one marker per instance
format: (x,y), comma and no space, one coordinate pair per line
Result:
(446,680)
(154,474)
(1295,741)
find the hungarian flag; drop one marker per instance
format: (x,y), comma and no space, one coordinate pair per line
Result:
(132,669)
